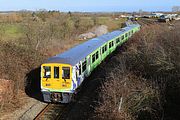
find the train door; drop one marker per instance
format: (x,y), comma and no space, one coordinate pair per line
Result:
(100,54)
(85,67)
(88,65)
(79,73)
(110,46)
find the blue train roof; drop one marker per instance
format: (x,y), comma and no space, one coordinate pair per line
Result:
(79,52)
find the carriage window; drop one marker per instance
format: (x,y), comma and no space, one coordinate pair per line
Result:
(110,45)
(93,58)
(97,55)
(126,35)
(65,73)
(105,47)
(122,37)
(84,66)
(56,72)
(117,40)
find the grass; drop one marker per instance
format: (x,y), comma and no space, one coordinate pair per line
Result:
(10,31)
(110,22)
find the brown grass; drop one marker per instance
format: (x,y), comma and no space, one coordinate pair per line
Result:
(124,95)
(6,90)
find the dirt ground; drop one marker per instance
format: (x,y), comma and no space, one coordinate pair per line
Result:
(28,109)
(29,102)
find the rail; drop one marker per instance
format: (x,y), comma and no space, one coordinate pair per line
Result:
(51,112)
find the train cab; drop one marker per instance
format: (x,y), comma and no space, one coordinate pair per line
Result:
(55,80)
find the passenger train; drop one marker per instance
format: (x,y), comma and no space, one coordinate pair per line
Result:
(62,75)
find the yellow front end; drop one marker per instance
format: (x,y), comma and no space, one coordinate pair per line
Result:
(56,77)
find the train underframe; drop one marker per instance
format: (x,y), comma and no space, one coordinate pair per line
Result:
(57,97)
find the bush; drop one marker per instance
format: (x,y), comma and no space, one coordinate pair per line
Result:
(126,96)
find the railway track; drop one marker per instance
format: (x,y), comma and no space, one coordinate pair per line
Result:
(148,22)
(51,112)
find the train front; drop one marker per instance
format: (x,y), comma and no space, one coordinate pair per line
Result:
(56,82)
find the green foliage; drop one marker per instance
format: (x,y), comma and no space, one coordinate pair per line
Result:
(10,31)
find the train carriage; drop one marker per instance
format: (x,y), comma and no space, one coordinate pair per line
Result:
(62,74)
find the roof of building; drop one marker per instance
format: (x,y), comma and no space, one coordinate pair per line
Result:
(79,52)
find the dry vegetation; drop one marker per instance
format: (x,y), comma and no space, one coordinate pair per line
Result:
(28,38)
(142,83)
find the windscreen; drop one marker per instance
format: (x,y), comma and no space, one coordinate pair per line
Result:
(65,72)
(47,72)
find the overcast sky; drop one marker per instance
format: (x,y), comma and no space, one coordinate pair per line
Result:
(89,5)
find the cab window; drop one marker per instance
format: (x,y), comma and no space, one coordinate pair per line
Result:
(65,73)
(47,72)
(56,72)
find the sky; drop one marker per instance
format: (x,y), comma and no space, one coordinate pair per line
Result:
(89,5)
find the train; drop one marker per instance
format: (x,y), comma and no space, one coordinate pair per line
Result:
(63,74)
(167,17)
